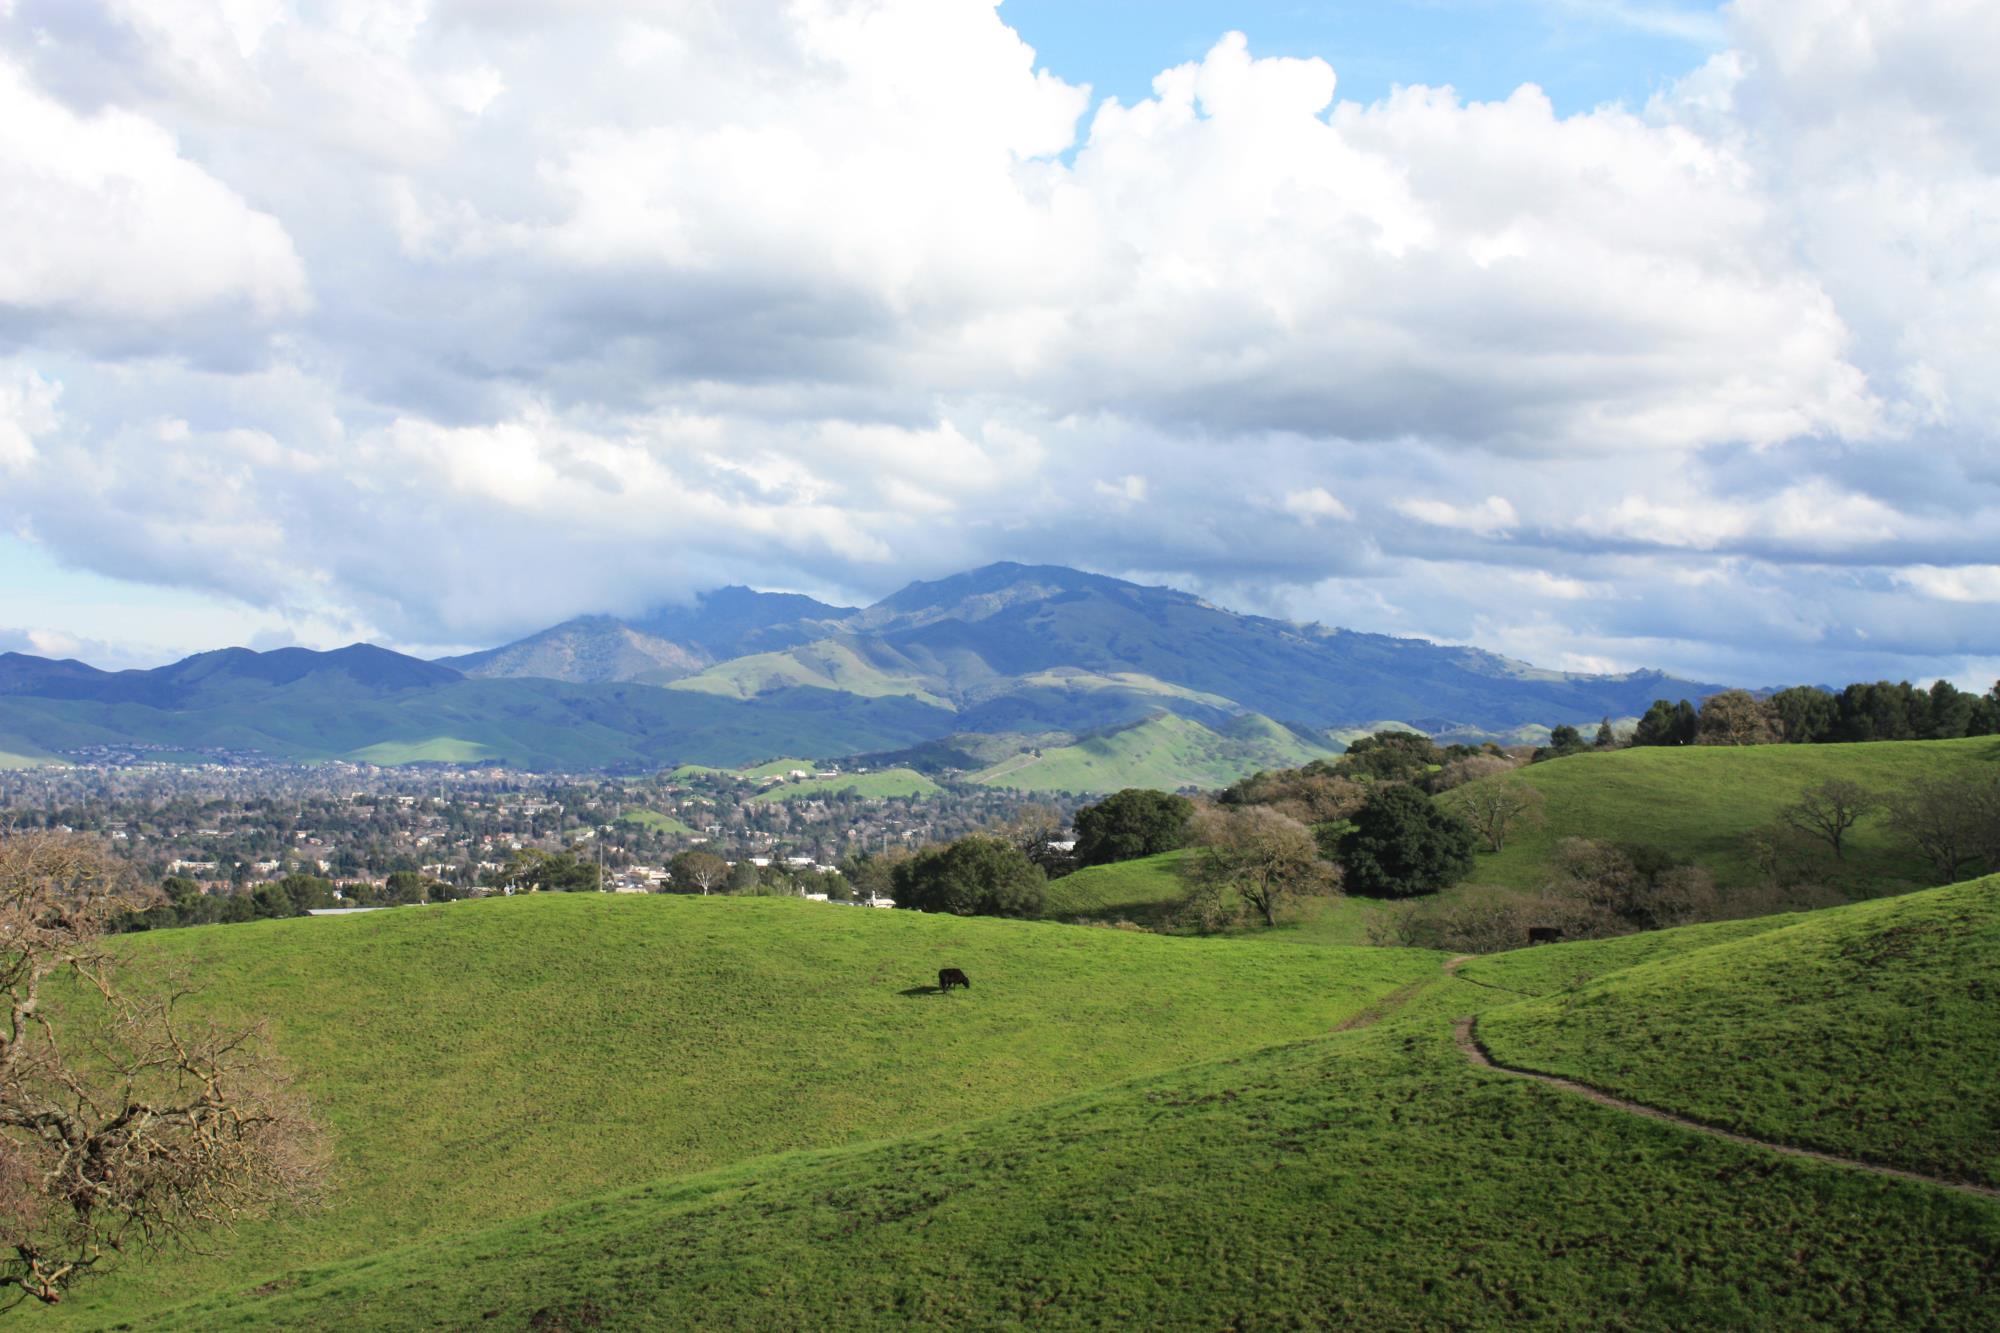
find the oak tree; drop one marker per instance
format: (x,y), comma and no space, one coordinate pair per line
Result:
(123,1118)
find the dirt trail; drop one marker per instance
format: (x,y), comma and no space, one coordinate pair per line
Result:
(1401,996)
(1468,1042)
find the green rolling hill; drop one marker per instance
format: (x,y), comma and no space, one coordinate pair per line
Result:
(485,1060)
(11,760)
(378,707)
(1142,891)
(1871,1031)
(869,786)
(1165,751)
(1363,1173)
(656,822)
(1701,801)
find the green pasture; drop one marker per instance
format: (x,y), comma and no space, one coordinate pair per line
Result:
(481,1061)
(1370,1178)
(1701,801)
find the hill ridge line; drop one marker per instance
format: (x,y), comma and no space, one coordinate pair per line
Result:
(1480,1057)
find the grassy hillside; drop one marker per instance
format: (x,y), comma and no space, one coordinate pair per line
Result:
(436,750)
(1147,890)
(1871,1030)
(1700,801)
(869,786)
(1141,890)
(532,723)
(826,664)
(10,760)
(485,1060)
(1371,1179)
(655,821)
(777,768)
(1557,967)
(1166,751)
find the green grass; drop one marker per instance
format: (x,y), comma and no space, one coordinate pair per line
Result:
(1167,752)
(1147,890)
(869,786)
(1871,1030)
(1144,891)
(753,1114)
(10,760)
(1367,1180)
(825,664)
(1700,801)
(655,821)
(437,750)
(777,768)
(482,1061)
(1549,968)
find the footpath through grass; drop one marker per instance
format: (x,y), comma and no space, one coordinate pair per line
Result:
(1700,802)
(1872,1031)
(1367,1180)
(482,1061)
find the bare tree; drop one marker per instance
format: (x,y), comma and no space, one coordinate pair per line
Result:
(1829,809)
(1036,831)
(1496,808)
(144,1125)
(699,870)
(1263,857)
(1952,822)
(1470,769)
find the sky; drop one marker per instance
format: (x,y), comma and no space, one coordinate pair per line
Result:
(1608,334)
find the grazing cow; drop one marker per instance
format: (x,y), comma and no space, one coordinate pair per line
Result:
(951,976)
(1545,934)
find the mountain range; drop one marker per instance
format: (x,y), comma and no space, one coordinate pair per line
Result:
(1039,653)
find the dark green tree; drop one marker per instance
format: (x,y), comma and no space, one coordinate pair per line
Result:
(1657,726)
(1391,756)
(976,876)
(1134,823)
(308,891)
(403,887)
(272,900)
(1806,714)
(1403,845)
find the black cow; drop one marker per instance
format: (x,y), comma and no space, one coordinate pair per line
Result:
(951,976)
(1545,934)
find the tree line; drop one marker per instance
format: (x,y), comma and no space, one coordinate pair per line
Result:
(1808,715)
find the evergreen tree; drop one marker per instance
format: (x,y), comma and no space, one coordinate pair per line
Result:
(1403,845)
(1134,823)
(976,876)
